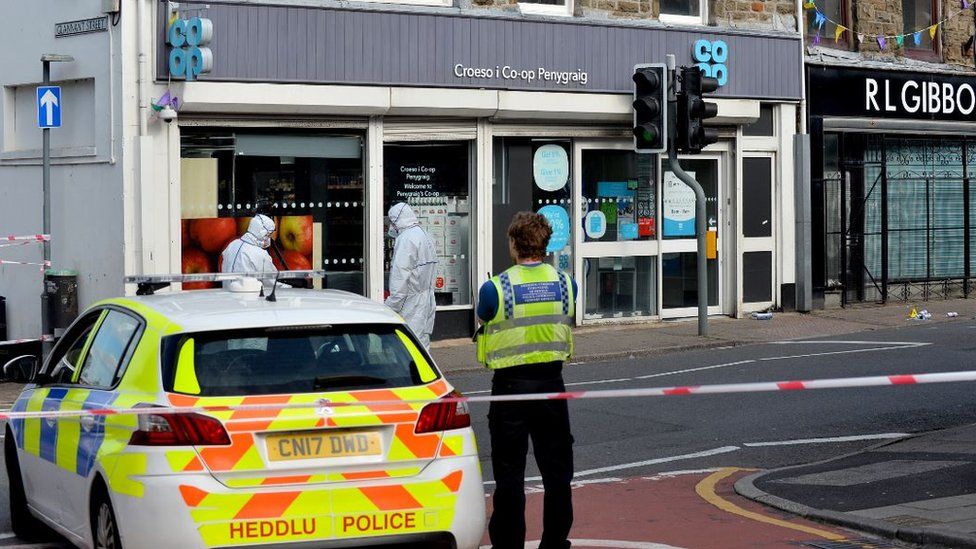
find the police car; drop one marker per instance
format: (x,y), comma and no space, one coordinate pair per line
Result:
(317,476)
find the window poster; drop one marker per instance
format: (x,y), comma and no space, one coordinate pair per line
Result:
(678,207)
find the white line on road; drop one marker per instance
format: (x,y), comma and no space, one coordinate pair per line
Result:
(646,463)
(843,342)
(699,369)
(827,440)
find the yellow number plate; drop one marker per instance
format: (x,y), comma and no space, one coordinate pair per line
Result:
(322,445)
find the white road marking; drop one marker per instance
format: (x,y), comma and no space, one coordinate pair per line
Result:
(645,463)
(616,544)
(847,352)
(699,369)
(686,472)
(826,440)
(852,342)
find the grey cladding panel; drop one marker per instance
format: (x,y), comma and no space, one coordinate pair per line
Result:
(343,46)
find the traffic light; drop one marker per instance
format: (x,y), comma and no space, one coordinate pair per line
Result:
(693,110)
(651,108)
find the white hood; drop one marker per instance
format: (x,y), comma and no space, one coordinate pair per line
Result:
(402,217)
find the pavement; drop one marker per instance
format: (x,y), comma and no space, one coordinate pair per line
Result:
(622,341)
(920,489)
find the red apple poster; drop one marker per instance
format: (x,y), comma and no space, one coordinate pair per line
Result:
(204,239)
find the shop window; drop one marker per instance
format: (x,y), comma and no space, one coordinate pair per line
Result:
(764,126)
(312,185)
(546,7)
(757,200)
(918,16)
(835,13)
(619,199)
(434,179)
(757,277)
(620,287)
(532,175)
(683,11)
(679,280)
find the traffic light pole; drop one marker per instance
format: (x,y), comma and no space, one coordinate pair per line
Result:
(700,229)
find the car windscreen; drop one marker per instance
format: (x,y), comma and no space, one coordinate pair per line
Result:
(293,359)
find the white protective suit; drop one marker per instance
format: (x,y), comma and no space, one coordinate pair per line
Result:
(249,254)
(412,272)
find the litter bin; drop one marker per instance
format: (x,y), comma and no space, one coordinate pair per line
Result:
(62,299)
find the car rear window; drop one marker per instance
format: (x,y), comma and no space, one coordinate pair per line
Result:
(300,359)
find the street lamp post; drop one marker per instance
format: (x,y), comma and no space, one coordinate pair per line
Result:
(46,60)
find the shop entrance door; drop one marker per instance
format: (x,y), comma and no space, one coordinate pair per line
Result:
(679,260)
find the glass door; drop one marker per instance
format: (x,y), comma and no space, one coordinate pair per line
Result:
(679,259)
(618,260)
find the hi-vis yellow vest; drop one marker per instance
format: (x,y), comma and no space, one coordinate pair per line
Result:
(534,320)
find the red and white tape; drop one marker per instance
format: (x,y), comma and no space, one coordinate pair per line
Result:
(28,340)
(17,243)
(718,389)
(42,265)
(27,238)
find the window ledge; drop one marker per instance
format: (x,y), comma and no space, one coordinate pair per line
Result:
(528,8)
(60,152)
(685,20)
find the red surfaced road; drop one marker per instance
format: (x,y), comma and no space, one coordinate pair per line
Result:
(667,510)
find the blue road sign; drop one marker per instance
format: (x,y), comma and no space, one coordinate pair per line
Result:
(49,107)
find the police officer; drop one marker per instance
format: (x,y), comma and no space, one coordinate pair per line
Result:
(526,338)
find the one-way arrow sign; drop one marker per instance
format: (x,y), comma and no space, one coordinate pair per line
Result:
(49,107)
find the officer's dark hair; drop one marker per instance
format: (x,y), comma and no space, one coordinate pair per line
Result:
(530,233)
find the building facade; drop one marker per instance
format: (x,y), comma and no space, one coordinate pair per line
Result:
(891,120)
(328,113)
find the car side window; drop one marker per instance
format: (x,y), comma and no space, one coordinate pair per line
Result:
(64,358)
(107,350)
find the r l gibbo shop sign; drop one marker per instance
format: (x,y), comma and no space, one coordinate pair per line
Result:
(913,97)
(891,94)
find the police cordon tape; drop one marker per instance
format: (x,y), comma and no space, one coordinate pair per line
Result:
(27,238)
(28,340)
(725,388)
(42,264)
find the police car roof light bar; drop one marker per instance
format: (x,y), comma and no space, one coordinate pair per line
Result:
(149,284)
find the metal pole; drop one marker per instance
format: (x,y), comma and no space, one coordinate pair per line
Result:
(46,175)
(700,229)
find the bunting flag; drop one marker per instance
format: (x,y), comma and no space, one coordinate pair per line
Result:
(816,39)
(821,19)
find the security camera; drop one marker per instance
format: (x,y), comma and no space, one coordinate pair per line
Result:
(167,114)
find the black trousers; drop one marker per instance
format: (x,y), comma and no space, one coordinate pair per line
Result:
(547,424)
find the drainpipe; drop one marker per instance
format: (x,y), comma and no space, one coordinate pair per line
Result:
(803,79)
(142,56)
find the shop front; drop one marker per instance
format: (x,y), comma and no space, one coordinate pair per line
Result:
(468,135)
(892,159)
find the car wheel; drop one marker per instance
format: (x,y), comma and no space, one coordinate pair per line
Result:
(105,529)
(22,522)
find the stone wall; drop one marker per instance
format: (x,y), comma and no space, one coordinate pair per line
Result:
(884,17)
(752,14)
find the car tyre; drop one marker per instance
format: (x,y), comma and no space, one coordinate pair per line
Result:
(104,526)
(24,524)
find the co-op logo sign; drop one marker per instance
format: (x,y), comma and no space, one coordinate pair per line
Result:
(190,56)
(712,58)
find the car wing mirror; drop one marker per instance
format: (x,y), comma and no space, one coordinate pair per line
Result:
(22,369)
